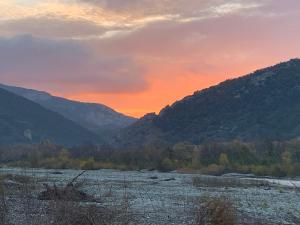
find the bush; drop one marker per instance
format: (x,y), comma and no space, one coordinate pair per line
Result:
(278,171)
(213,169)
(166,165)
(296,169)
(3,208)
(71,213)
(89,164)
(260,170)
(216,211)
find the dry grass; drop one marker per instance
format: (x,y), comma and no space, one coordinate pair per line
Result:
(296,220)
(216,211)
(3,205)
(213,181)
(72,213)
(19,204)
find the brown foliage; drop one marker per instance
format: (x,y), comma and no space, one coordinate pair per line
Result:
(71,213)
(68,193)
(66,205)
(216,211)
(3,206)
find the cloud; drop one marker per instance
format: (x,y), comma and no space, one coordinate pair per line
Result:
(214,47)
(52,28)
(233,7)
(90,16)
(160,50)
(64,67)
(180,9)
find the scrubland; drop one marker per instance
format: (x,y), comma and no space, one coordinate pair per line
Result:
(62,197)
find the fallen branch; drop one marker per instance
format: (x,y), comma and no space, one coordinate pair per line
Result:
(70,184)
(69,192)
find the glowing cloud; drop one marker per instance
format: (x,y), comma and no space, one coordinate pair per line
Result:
(140,55)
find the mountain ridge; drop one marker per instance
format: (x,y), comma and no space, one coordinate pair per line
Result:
(95,117)
(24,122)
(262,104)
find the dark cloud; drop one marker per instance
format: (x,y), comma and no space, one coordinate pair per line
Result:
(66,67)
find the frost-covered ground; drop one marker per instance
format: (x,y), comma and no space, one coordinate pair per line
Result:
(168,198)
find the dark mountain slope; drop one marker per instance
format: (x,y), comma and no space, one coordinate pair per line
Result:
(23,121)
(94,117)
(264,104)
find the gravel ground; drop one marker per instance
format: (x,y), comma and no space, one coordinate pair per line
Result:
(168,198)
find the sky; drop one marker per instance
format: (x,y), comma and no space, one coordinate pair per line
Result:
(137,56)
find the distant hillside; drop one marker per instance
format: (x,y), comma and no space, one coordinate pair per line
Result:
(264,104)
(23,121)
(95,117)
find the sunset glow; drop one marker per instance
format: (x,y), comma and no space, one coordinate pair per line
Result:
(139,56)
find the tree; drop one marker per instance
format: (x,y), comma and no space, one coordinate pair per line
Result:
(64,154)
(287,161)
(183,151)
(89,164)
(166,165)
(223,160)
(196,164)
(286,158)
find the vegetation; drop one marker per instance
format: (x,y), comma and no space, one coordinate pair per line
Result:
(265,158)
(216,211)
(264,104)
(19,205)
(23,121)
(38,200)
(97,118)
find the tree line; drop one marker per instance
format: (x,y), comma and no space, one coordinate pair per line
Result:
(262,158)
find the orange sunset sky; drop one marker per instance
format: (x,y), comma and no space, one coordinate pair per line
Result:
(138,56)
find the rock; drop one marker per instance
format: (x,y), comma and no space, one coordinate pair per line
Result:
(239,175)
(170,179)
(57,173)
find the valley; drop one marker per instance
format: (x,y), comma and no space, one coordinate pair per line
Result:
(149,112)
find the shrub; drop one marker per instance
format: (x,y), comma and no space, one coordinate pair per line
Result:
(213,169)
(71,213)
(3,207)
(166,165)
(296,169)
(89,164)
(278,171)
(216,211)
(260,170)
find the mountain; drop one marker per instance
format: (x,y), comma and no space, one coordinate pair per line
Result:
(261,105)
(94,117)
(24,121)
